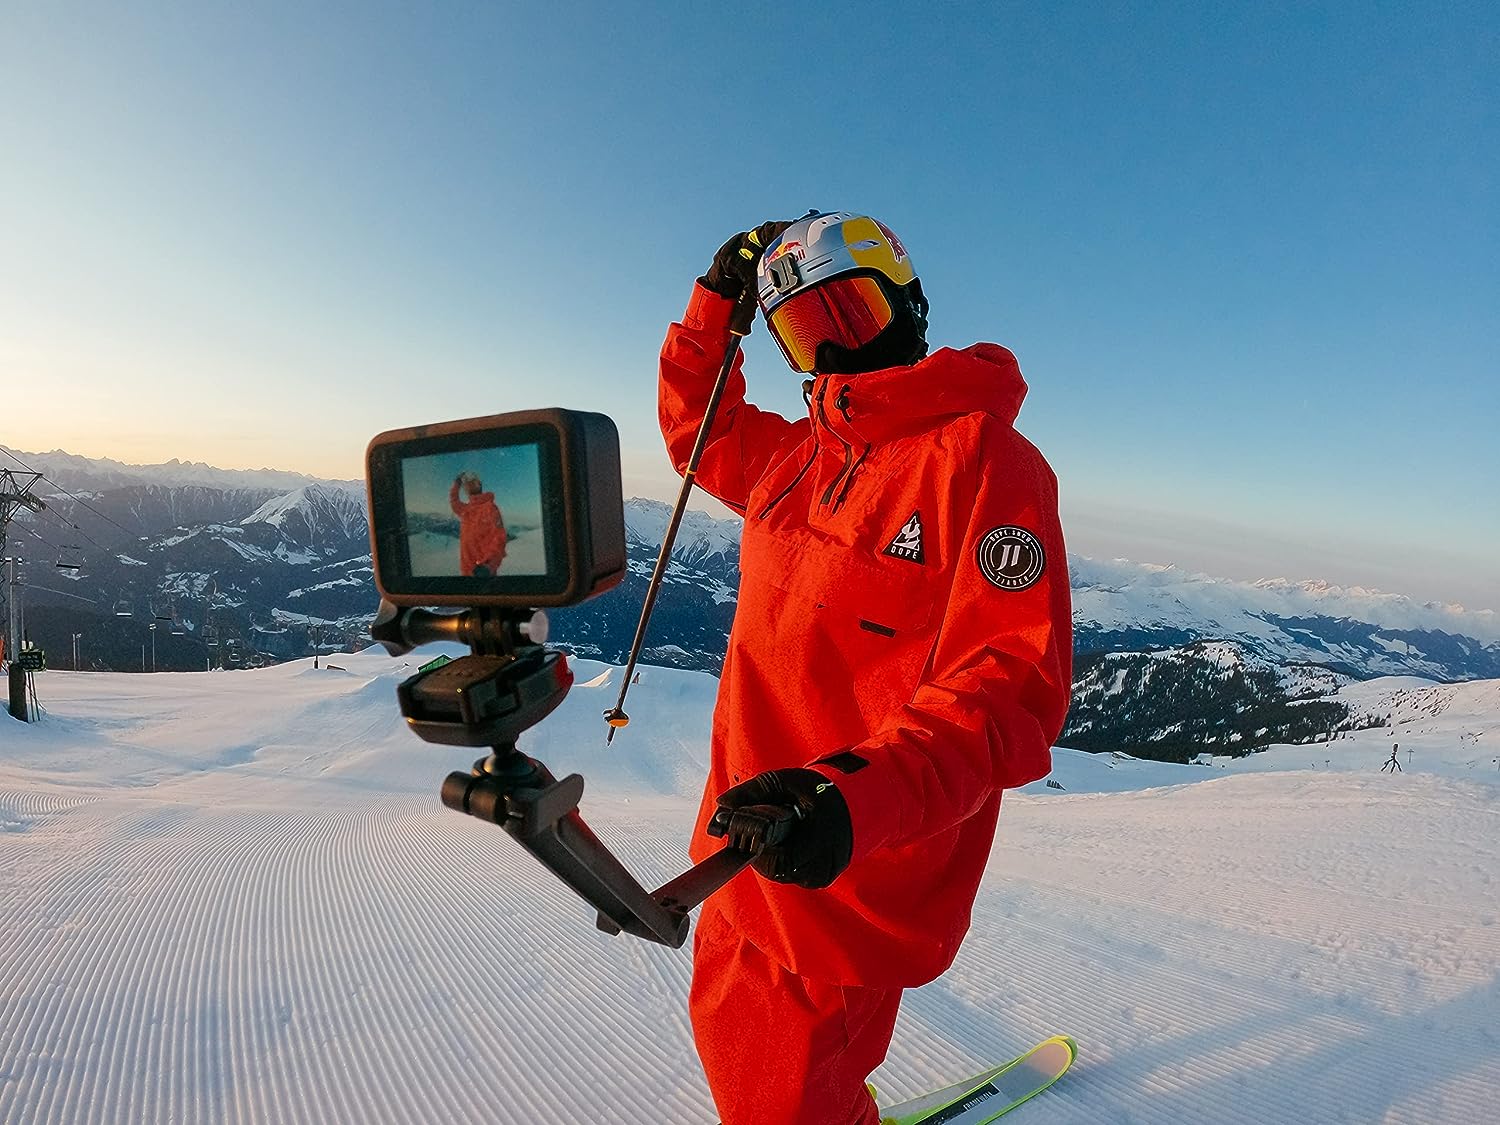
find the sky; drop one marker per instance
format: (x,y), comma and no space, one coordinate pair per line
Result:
(1246,255)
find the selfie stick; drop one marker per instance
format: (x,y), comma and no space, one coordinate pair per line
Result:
(740,322)
(506,686)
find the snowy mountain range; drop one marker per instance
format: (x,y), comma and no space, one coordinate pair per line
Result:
(272,570)
(89,474)
(1123,606)
(242,571)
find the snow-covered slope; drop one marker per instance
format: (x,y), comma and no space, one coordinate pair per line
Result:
(235,897)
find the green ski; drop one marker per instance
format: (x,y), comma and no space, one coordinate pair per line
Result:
(992,1093)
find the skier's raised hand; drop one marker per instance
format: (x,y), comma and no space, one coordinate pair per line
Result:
(794,821)
(733,267)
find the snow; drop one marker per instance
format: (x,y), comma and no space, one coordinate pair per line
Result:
(1117,594)
(248,551)
(186,583)
(234,896)
(333,584)
(296,557)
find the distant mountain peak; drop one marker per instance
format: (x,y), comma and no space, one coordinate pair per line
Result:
(699,537)
(315,512)
(78,473)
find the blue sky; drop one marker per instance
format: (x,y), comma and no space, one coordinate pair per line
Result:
(1247,258)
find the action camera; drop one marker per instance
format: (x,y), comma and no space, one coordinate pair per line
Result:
(510,511)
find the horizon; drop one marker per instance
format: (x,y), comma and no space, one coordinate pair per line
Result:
(1245,257)
(712,507)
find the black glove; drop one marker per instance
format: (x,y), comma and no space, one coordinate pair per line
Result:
(733,268)
(795,822)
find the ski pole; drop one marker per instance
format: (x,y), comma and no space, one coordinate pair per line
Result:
(740,322)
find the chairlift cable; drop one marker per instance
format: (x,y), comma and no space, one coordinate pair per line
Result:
(72,495)
(73,528)
(61,593)
(60,550)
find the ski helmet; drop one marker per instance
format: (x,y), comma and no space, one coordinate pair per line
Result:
(839,294)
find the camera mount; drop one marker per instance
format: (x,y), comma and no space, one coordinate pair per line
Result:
(508,684)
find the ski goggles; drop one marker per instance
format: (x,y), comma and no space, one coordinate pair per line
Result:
(849,311)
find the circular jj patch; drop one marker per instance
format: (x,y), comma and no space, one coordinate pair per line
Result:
(1011,557)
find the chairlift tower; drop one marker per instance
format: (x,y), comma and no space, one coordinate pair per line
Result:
(17,491)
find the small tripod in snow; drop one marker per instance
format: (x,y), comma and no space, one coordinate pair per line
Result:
(1392,762)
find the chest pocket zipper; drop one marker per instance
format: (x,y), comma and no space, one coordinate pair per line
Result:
(782,495)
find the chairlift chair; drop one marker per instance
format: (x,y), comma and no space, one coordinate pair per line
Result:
(70,558)
(122,608)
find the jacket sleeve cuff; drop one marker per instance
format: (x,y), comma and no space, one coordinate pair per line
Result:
(874,809)
(707,311)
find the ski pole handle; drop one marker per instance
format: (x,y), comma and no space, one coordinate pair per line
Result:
(743,317)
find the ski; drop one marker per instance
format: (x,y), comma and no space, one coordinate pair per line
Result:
(992,1093)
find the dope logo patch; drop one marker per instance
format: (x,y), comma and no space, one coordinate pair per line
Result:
(1011,558)
(908,542)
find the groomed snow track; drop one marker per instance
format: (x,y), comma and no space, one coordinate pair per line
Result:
(255,931)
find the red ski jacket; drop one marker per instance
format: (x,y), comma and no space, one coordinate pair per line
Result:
(904,627)
(481,531)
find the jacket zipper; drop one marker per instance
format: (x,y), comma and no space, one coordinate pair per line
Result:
(842,405)
(849,483)
(848,449)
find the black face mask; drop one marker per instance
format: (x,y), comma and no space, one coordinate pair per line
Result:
(902,343)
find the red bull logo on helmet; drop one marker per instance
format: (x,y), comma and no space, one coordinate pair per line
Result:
(786,248)
(895,242)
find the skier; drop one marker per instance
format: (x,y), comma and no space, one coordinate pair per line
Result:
(901,653)
(481,528)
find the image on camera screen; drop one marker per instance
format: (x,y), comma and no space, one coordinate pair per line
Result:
(475,513)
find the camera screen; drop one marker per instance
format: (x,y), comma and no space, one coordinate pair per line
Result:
(475,513)
(511,510)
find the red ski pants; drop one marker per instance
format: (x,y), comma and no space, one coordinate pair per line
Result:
(779,1049)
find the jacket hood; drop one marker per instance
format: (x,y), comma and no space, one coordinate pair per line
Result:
(982,378)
